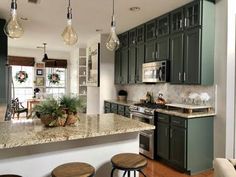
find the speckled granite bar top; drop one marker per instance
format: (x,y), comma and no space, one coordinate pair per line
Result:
(186,115)
(125,103)
(32,133)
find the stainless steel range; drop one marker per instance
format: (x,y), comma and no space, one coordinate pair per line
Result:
(144,112)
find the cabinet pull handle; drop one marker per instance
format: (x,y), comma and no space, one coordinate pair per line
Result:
(179,76)
(181,24)
(185,22)
(184,76)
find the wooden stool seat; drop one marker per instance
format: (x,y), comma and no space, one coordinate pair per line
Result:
(9,175)
(128,162)
(74,169)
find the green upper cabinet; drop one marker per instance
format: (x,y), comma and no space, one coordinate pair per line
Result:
(192,15)
(139,62)
(124,65)
(132,37)
(124,40)
(163,26)
(176,57)
(132,64)
(150,28)
(140,34)
(197,28)
(162,48)
(177,20)
(117,67)
(150,51)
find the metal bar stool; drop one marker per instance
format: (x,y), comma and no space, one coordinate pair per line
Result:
(75,169)
(10,175)
(128,162)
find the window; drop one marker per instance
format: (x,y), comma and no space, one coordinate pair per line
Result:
(58,89)
(23,90)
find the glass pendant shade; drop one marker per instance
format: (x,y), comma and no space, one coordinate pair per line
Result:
(13,28)
(113,42)
(69,35)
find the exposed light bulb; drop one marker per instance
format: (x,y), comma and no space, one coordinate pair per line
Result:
(113,42)
(69,35)
(13,28)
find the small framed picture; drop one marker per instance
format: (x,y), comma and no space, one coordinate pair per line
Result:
(39,72)
(39,65)
(39,81)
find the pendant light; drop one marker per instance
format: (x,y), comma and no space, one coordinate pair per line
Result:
(13,28)
(113,42)
(69,35)
(45,56)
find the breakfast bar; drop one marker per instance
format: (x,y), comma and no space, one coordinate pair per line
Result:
(31,149)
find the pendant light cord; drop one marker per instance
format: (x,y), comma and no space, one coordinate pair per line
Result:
(113,10)
(44,47)
(13,4)
(69,11)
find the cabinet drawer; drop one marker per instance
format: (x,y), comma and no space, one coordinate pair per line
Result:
(107,105)
(164,118)
(179,122)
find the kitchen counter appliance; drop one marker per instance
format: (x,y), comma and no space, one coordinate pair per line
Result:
(155,72)
(144,112)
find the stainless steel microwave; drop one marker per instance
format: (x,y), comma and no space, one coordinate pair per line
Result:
(155,72)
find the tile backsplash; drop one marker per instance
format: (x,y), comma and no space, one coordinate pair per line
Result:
(172,93)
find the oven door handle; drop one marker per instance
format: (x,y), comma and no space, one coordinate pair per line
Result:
(140,115)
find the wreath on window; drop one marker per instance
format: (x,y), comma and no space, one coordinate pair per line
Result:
(54,78)
(21,76)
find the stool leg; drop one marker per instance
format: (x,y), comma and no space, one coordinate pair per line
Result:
(112,171)
(134,173)
(140,171)
(124,174)
(128,173)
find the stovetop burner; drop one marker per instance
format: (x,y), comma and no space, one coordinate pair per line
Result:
(150,105)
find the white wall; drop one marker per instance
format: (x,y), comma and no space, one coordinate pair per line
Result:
(107,90)
(73,64)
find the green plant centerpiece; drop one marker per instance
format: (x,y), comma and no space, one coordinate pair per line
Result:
(71,105)
(50,113)
(55,113)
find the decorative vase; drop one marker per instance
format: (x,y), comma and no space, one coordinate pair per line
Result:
(47,120)
(71,119)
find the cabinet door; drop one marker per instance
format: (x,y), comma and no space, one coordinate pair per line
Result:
(163,140)
(163,26)
(124,65)
(177,57)
(140,34)
(192,59)
(118,67)
(132,64)
(163,48)
(124,40)
(132,37)
(178,146)
(139,62)
(150,51)
(192,15)
(150,30)
(177,20)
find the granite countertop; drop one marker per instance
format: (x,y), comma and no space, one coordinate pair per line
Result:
(179,113)
(34,132)
(126,103)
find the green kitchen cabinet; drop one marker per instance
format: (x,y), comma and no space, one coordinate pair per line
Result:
(124,40)
(117,67)
(178,146)
(163,140)
(163,25)
(132,65)
(162,48)
(139,62)
(150,30)
(116,108)
(185,143)
(177,20)
(176,57)
(132,37)
(140,34)
(192,15)
(124,65)
(150,51)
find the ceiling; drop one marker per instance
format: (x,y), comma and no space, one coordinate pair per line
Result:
(47,20)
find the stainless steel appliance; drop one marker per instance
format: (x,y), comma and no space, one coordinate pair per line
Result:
(144,112)
(155,72)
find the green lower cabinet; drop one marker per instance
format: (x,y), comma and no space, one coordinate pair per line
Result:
(186,144)
(132,64)
(110,107)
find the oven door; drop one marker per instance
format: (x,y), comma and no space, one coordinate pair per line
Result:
(146,143)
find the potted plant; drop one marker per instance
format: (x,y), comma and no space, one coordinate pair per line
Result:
(122,95)
(71,105)
(50,113)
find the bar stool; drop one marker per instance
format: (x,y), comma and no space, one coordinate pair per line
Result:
(128,162)
(75,169)
(9,175)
